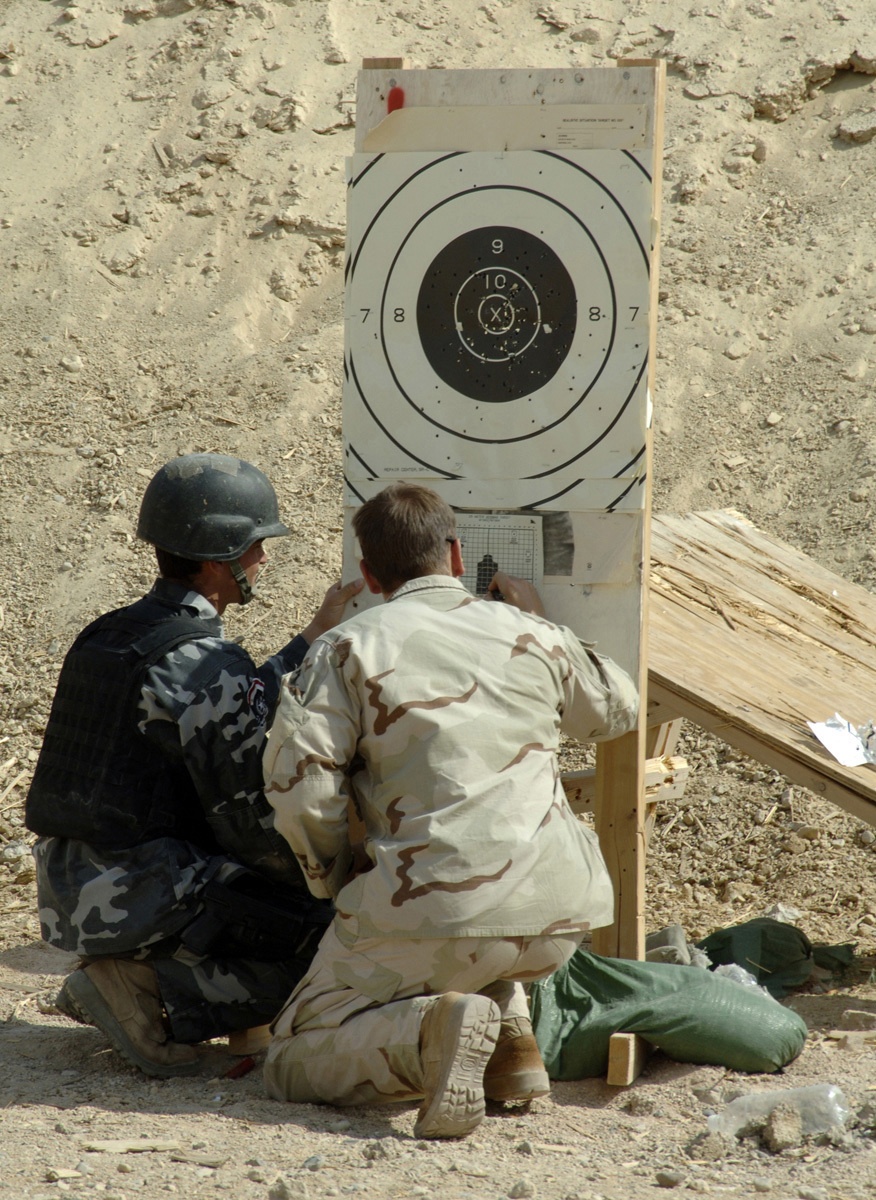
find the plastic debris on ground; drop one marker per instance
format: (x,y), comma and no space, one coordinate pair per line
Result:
(821,1106)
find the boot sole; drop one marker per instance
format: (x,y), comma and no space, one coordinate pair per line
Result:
(457,1106)
(65,1004)
(88,1002)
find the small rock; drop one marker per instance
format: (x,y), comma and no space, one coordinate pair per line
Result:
(857,1040)
(123,251)
(708,1147)
(585,33)
(282,285)
(761,1184)
(782,1129)
(211,95)
(525,1148)
(855,371)
(854,1018)
(13,852)
(774,419)
(858,126)
(737,349)
(72,363)
(521,1190)
(795,845)
(385,1148)
(287,1189)
(221,153)
(314,1163)
(669,1179)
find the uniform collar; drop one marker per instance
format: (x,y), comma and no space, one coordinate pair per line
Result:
(178,593)
(427,583)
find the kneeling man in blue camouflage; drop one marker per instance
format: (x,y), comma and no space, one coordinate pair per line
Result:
(157,858)
(439,714)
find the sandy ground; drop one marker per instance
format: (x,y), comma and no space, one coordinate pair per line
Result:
(172,230)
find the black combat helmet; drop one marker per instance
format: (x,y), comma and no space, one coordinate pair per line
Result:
(209,507)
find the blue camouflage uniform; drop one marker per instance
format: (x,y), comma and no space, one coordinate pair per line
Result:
(137,900)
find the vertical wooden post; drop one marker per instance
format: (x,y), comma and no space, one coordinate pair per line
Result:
(620,825)
(620,765)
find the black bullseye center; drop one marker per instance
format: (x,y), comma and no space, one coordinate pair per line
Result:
(496,313)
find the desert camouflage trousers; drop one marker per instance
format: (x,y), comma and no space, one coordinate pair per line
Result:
(135,904)
(350,1031)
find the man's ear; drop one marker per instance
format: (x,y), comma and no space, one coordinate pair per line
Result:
(370,578)
(457,566)
(209,573)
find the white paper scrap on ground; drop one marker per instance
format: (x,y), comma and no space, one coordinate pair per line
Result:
(849,745)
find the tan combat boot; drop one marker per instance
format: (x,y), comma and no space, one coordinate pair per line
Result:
(456,1040)
(121,998)
(516,1072)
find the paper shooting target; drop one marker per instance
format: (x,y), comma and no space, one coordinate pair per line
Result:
(497,321)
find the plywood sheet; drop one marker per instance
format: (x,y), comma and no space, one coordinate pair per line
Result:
(754,638)
(609,87)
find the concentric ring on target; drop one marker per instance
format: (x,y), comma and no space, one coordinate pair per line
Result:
(496,302)
(496,313)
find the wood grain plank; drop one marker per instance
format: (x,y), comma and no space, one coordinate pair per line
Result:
(751,639)
(627,1054)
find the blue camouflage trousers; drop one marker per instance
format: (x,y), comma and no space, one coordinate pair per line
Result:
(135,903)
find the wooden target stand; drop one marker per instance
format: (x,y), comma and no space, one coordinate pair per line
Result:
(572,158)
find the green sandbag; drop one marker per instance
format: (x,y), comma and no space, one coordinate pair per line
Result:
(690,1014)
(777,954)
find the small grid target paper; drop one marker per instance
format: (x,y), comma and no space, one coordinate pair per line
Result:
(494,542)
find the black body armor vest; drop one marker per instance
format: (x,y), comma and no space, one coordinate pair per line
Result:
(98,778)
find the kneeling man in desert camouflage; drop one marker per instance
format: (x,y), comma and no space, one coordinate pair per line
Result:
(440,715)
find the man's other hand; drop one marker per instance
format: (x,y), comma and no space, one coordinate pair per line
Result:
(331,611)
(519,592)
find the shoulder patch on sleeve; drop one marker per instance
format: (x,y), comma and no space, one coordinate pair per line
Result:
(257,702)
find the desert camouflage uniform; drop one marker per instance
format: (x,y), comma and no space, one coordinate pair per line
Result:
(136,901)
(440,715)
